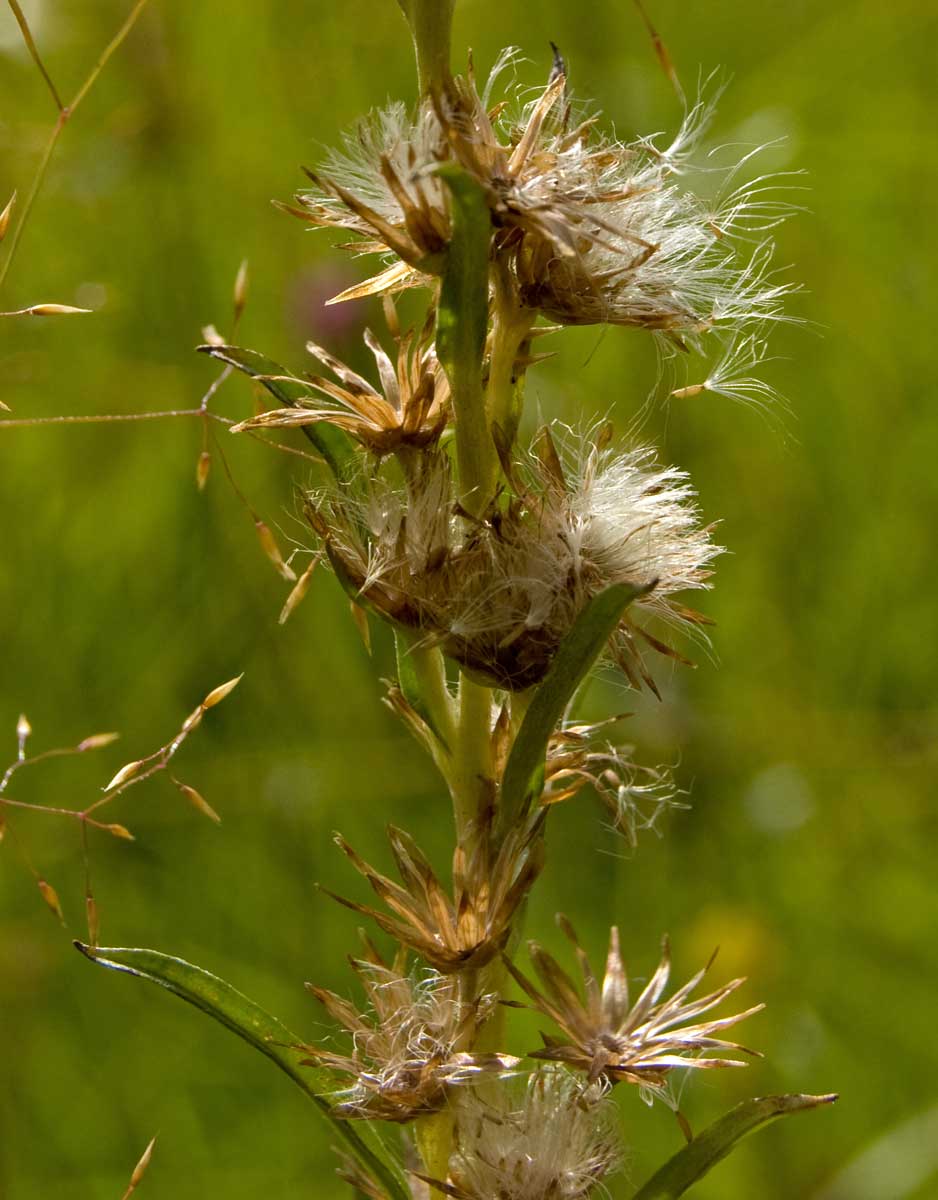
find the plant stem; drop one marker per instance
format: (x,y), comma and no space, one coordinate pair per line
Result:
(510,326)
(430,669)
(431,24)
(472,780)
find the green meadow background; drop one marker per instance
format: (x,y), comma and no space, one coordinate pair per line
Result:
(807,740)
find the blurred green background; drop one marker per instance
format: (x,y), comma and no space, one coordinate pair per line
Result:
(809,748)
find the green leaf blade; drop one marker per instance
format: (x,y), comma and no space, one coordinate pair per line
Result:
(336,447)
(524,771)
(698,1157)
(461,329)
(250,1022)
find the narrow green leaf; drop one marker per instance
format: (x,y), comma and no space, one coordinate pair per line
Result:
(715,1143)
(336,447)
(524,772)
(462,324)
(249,1021)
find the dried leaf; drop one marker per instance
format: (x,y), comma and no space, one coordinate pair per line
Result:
(298,592)
(51,897)
(96,741)
(216,695)
(202,468)
(127,771)
(198,801)
(272,550)
(5,216)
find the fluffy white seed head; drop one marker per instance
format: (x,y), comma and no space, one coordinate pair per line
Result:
(553,1140)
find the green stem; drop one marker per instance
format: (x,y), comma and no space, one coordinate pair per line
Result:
(434,1138)
(431,24)
(430,672)
(472,774)
(510,327)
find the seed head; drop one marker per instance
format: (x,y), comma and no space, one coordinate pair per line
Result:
(500,594)
(589,229)
(407,1053)
(555,1140)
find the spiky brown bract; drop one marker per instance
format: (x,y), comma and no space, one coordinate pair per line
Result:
(409,1051)
(500,594)
(552,1140)
(409,412)
(465,930)
(590,229)
(641,1042)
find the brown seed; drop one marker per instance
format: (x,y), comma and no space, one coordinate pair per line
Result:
(5,216)
(198,801)
(216,695)
(127,771)
(51,897)
(241,289)
(298,592)
(202,468)
(119,831)
(272,550)
(96,741)
(53,310)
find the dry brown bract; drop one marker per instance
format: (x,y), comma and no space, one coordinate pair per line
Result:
(470,928)
(640,1043)
(407,1051)
(411,410)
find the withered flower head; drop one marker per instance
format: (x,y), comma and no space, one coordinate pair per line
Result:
(591,229)
(641,1043)
(406,1054)
(411,409)
(555,1140)
(499,595)
(469,928)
